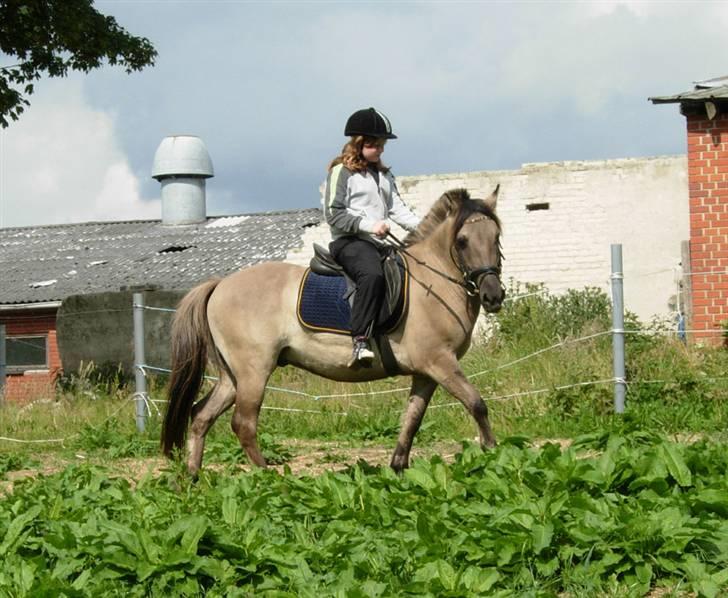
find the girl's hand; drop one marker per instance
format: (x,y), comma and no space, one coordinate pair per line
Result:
(381,228)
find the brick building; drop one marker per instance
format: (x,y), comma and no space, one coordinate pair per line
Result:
(706,111)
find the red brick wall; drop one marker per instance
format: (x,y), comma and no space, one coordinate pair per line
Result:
(32,385)
(708,183)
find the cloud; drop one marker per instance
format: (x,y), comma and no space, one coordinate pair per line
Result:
(268,87)
(62,162)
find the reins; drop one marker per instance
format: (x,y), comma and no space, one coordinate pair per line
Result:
(468,282)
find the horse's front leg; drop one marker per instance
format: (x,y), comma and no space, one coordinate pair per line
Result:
(420,395)
(448,374)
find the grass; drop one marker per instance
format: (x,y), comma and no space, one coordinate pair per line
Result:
(674,388)
(531,369)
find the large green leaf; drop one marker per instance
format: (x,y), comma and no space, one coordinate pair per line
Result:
(542,535)
(676,464)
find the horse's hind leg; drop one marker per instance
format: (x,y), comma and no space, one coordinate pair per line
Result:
(420,395)
(248,401)
(204,414)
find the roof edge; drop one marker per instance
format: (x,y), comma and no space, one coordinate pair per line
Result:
(29,306)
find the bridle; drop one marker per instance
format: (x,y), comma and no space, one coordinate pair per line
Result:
(470,276)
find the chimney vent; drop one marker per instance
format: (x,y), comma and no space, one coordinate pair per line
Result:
(181,165)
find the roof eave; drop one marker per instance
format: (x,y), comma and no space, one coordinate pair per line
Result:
(30,306)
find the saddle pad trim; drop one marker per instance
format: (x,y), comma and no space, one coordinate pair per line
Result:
(300,317)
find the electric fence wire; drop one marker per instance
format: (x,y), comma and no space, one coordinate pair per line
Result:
(131,400)
(150,402)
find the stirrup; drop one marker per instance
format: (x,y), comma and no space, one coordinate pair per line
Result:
(361,355)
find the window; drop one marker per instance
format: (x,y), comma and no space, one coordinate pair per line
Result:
(26,353)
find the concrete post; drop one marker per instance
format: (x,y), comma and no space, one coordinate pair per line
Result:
(3,364)
(620,384)
(139,362)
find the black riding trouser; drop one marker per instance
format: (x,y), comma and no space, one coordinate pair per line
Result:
(362,262)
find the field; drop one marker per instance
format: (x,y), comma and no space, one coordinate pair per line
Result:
(575,500)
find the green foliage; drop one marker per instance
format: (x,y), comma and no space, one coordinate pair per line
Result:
(14,462)
(537,317)
(106,438)
(620,512)
(638,512)
(93,381)
(51,37)
(229,452)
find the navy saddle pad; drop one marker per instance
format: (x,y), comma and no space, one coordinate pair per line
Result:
(323,303)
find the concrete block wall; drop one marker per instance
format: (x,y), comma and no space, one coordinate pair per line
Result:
(38,383)
(639,202)
(708,170)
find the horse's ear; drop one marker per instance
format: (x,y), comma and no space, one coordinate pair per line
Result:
(493,199)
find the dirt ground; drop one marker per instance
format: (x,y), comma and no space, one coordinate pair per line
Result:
(310,458)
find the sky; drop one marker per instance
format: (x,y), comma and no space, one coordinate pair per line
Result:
(268,86)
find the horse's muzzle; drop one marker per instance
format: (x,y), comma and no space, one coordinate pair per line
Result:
(492,294)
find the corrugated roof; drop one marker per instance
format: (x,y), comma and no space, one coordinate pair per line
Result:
(50,263)
(710,89)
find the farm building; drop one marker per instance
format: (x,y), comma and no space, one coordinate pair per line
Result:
(67,289)
(706,111)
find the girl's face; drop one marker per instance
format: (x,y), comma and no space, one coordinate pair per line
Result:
(372,149)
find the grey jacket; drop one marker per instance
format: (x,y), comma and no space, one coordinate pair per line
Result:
(353,203)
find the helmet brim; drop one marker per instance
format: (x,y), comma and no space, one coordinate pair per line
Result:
(380,136)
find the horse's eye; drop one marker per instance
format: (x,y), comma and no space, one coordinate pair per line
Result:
(461,242)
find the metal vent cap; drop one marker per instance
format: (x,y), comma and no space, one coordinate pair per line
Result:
(182,156)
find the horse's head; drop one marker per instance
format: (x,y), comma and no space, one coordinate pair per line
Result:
(476,246)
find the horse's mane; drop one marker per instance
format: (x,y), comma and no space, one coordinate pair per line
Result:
(455,200)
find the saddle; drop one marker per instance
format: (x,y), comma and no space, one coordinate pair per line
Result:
(326,294)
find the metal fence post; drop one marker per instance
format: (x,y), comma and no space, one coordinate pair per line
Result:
(3,364)
(620,383)
(139,362)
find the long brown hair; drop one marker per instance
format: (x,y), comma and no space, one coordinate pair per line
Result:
(351,156)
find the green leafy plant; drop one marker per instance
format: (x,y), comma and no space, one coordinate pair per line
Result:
(14,462)
(616,514)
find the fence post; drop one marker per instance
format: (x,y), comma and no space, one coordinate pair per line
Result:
(687,286)
(620,383)
(139,362)
(3,364)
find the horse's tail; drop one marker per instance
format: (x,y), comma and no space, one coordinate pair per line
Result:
(191,339)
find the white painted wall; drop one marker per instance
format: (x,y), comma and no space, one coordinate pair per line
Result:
(639,202)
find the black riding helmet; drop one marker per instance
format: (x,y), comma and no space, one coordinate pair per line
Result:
(370,123)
